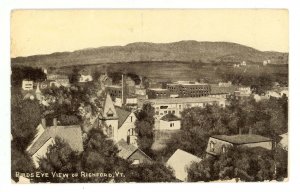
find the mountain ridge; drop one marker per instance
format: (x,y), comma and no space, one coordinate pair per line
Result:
(182,51)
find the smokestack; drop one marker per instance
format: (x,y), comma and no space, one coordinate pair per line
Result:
(43,122)
(123,91)
(55,122)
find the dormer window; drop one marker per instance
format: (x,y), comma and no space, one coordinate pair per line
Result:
(110,113)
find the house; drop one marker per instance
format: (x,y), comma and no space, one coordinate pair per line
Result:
(283,143)
(84,76)
(258,97)
(27,85)
(126,126)
(180,161)
(177,105)
(244,91)
(118,123)
(46,136)
(274,94)
(132,153)
(169,122)
(218,144)
(58,80)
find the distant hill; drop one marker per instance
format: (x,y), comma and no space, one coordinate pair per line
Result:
(185,51)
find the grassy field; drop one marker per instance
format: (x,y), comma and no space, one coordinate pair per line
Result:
(161,138)
(173,71)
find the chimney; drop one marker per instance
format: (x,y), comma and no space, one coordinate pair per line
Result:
(43,122)
(55,122)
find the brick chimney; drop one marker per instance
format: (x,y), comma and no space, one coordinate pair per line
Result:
(43,122)
(55,122)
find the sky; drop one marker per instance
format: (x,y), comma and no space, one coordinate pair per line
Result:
(46,31)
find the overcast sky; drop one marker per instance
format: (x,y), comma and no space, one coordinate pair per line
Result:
(43,32)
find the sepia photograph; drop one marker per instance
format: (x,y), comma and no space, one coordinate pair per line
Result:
(149,95)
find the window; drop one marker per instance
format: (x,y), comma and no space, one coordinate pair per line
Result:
(130,118)
(109,131)
(136,162)
(131,132)
(223,149)
(212,146)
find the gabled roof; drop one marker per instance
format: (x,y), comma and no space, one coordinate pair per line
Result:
(70,134)
(126,150)
(180,161)
(109,108)
(242,139)
(123,115)
(170,117)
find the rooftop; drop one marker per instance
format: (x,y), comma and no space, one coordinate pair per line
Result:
(181,160)
(183,100)
(158,89)
(70,134)
(242,139)
(125,149)
(123,115)
(170,117)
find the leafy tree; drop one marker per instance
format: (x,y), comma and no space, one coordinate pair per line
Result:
(144,127)
(242,163)
(20,162)
(25,117)
(154,172)
(202,171)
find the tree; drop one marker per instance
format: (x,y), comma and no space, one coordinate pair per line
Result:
(202,171)
(144,128)
(25,117)
(20,162)
(154,172)
(242,163)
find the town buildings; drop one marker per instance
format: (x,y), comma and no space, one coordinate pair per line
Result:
(218,144)
(156,93)
(177,105)
(188,89)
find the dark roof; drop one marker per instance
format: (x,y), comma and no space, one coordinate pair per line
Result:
(123,115)
(70,134)
(125,149)
(242,139)
(170,117)
(216,89)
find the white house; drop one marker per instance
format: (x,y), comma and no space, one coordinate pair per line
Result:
(169,122)
(85,78)
(45,137)
(180,161)
(27,85)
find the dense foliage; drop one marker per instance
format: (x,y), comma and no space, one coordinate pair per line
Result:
(241,163)
(144,128)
